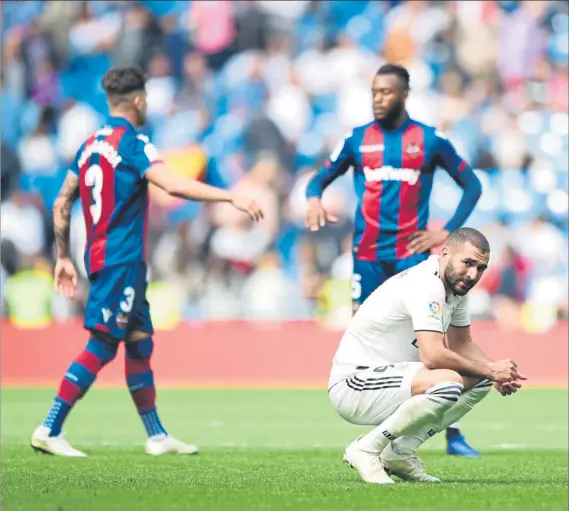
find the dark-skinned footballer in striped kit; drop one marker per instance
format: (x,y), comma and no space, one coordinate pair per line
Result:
(394,159)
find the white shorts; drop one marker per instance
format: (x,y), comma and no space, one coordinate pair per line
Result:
(369,396)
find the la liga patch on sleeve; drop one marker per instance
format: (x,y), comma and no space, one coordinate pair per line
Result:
(435,308)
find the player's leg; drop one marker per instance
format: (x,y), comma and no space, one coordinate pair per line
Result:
(140,382)
(366,278)
(139,375)
(77,380)
(456,442)
(433,392)
(369,397)
(421,400)
(100,350)
(475,391)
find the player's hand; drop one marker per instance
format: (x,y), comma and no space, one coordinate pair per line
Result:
(317,216)
(507,389)
(248,206)
(65,276)
(421,241)
(505,371)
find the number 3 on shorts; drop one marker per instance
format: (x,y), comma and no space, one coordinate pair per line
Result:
(126,304)
(356,286)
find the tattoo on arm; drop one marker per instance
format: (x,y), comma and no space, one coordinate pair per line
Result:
(68,194)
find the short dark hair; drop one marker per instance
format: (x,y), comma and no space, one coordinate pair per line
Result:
(119,82)
(399,71)
(472,236)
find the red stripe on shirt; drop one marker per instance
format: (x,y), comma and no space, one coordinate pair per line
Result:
(413,157)
(86,194)
(100,237)
(371,200)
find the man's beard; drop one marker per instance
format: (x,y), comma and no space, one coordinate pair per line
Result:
(452,280)
(390,120)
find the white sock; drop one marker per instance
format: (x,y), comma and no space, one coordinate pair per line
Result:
(413,414)
(456,425)
(409,443)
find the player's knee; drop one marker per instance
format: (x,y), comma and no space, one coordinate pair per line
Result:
(139,349)
(472,381)
(480,390)
(105,350)
(426,379)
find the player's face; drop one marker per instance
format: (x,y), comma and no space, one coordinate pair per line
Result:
(465,267)
(388,96)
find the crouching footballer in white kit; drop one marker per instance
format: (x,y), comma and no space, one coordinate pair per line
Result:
(392,369)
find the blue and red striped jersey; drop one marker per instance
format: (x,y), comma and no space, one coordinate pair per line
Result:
(111,165)
(393,178)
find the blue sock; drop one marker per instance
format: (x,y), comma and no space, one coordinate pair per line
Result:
(56,416)
(77,380)
(140,381)
(152,422)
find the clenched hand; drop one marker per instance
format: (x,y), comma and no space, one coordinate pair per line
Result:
(421,241)
(506,371)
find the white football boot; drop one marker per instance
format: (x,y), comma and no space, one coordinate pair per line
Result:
(407,467)
(166,444)
(57,445)
(368,465)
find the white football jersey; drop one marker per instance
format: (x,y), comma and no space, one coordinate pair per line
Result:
(383,329)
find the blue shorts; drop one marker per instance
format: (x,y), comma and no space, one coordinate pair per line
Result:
(368,276)
(117,302)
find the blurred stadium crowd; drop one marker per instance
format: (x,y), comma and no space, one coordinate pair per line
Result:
(255,94)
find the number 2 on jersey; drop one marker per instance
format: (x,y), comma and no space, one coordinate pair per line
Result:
(94,180)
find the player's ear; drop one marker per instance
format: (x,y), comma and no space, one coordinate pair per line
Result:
(139,99)
(444,251)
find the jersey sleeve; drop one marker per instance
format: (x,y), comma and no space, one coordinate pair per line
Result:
(213,176)
(463,175)
(339,162)
(424,304)
(139,153)
(461,315)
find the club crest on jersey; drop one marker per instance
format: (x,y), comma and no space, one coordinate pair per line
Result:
(435,308)
(122,320)
(413,150)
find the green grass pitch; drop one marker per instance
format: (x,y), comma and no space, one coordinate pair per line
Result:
(275,450)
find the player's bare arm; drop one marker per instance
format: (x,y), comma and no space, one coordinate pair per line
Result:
(460,341)
(340,161)
(65,273)
(68,194)
(434,355)
(191,189)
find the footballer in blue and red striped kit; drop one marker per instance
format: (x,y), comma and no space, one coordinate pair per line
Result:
(110,175)
(394,159)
